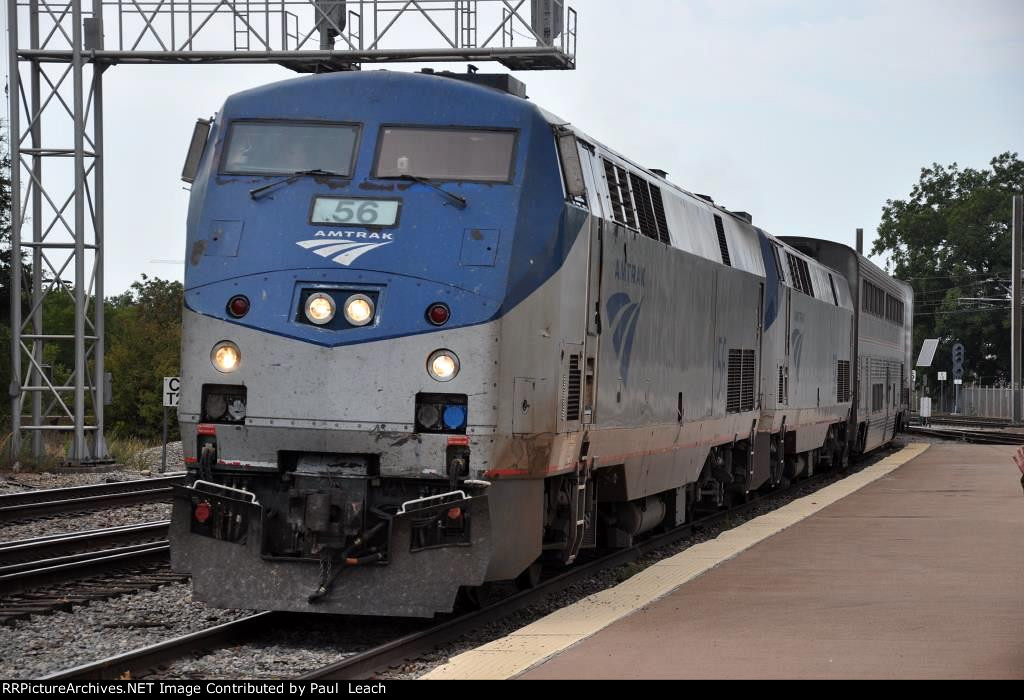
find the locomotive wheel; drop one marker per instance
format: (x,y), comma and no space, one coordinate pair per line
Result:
(529,578)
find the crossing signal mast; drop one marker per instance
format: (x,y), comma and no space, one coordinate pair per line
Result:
(59,51)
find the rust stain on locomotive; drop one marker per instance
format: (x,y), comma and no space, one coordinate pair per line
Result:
(532,453)
(197,252)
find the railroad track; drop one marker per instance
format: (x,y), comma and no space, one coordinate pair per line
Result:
(971,435)
(48,546)
(51,573)
(29,505)
(138,662)
(970,421)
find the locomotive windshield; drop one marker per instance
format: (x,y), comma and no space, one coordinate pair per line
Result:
(283,148)
(473,155)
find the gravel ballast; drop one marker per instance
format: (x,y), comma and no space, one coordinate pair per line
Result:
(148,467)
(49,643)
(58,524)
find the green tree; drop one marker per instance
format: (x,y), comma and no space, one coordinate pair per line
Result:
(143,347)
(5,277)
(950,239)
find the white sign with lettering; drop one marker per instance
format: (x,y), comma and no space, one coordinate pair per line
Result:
(172,385)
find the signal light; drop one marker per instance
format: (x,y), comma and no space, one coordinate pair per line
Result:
(226,356)
(443,365)
(438,314)
(454,417)
(238,306)
(359,309)
(320,308)
(428,416)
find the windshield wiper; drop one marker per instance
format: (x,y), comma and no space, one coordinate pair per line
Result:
(460,202)
(260,191)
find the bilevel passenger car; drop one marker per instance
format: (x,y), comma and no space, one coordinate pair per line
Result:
(434,335)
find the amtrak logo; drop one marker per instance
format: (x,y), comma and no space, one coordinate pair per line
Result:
(623,313)
(341,252)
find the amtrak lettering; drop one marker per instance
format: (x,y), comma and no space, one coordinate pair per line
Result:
(359,235)
(345,252)
(630,273)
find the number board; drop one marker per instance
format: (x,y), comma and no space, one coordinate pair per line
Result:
(353,211)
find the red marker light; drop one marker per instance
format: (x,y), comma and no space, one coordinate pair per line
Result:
(438,314)
(238,306)
(454,513)
(202,512)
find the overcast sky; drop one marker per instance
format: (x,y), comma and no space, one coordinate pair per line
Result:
(807,114)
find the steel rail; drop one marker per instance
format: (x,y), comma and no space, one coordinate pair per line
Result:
(147,657)
(55,563)
(979,437)
(64,569)
(43,495)
(33,504)
(48,546)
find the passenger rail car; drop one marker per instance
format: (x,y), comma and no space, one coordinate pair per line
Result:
(434,335)
(884,339)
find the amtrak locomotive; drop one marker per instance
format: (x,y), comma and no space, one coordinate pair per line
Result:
(434,336)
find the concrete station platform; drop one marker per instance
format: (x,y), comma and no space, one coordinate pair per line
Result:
(912,568)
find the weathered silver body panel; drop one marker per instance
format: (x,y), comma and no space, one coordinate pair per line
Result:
(637,354)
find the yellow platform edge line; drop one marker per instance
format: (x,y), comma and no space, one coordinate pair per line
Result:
(537,642)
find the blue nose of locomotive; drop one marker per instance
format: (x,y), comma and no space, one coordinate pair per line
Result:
(286,208)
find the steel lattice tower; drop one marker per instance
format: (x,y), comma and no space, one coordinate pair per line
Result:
(59,51)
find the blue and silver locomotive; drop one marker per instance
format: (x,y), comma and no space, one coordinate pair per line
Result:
(435,335)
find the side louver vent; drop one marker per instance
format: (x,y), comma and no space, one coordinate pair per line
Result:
(740,382)
(573,389)
(723,245)
(783,386)
(843,381)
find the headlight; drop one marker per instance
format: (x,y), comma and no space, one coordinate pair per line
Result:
(443,365)
(320,308)
(226,356)
(359,309)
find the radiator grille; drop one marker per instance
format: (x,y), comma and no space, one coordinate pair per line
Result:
(783,386)
(723,244)
(659,214)
(644,206)
(618,190)
(801,274)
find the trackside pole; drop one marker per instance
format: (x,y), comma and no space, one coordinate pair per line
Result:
(1015,311)
(163,456)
